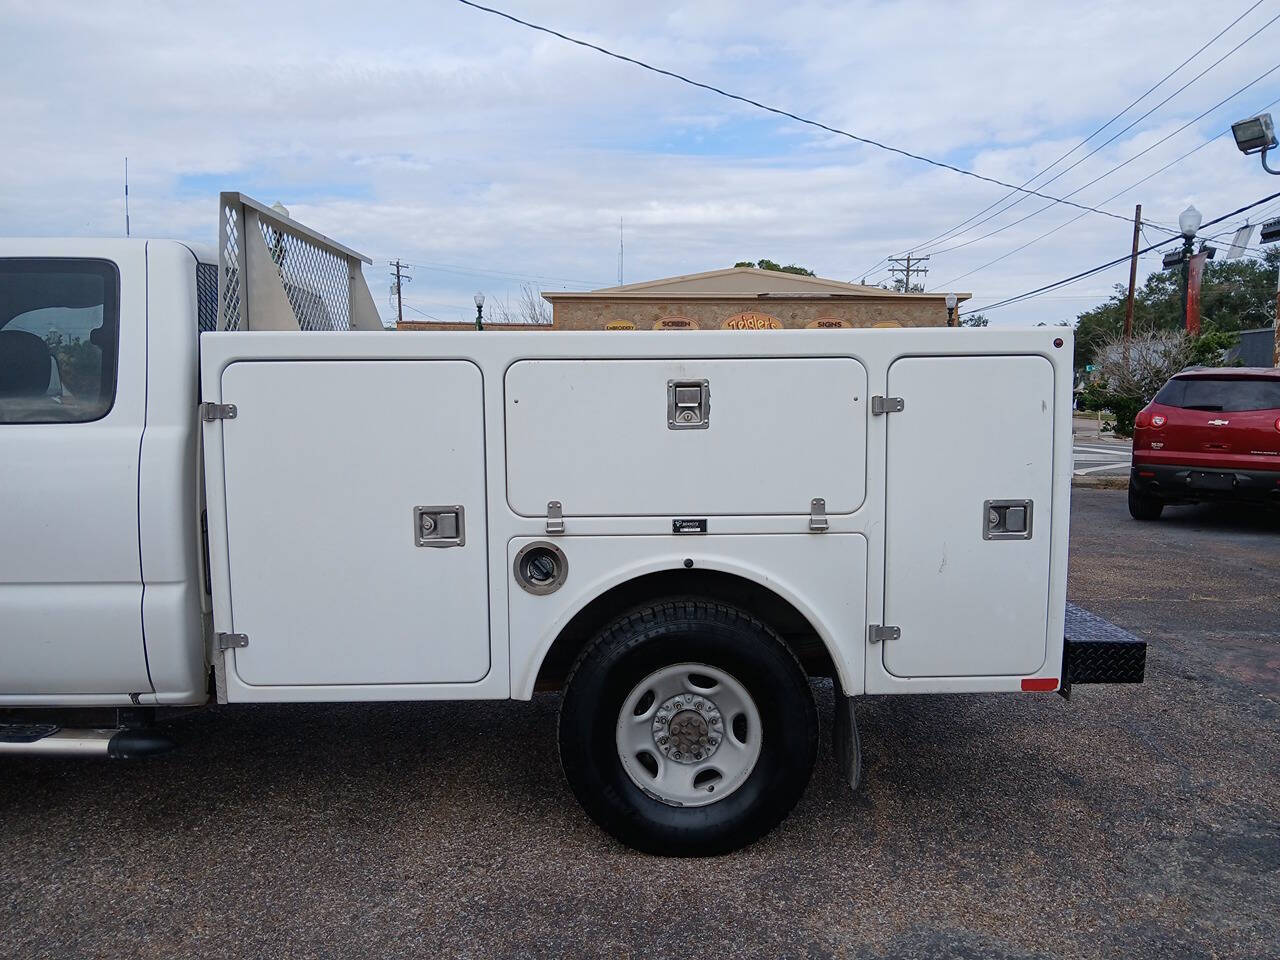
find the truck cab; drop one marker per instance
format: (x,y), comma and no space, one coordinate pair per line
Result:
(100,599)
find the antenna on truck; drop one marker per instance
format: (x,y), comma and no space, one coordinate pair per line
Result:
(126,196)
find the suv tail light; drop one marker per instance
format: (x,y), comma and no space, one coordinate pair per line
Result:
(1142,420)
(1157,421)
(1277,423)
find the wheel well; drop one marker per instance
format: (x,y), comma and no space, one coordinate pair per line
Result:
(794,628)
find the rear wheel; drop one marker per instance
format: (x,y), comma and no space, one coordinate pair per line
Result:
(1142,507)
(688,729)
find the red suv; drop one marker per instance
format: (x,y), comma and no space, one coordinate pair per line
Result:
(1210,434)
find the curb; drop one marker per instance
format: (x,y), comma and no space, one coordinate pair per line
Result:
(1101,483)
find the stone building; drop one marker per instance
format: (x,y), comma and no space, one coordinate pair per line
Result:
(739,298)
(745,298)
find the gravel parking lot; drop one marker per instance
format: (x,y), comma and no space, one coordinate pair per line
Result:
(1132,821)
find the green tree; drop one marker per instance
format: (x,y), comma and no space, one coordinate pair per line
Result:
(1234,295)
(973,320)
(774,265)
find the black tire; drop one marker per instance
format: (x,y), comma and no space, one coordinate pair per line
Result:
(1143,508)
(682,631)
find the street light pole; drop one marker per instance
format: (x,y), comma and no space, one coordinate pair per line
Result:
(479,299)
(1188,222)
(952,300)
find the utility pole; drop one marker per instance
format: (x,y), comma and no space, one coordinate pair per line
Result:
(1133,279)
(126,196)
(399,279)
(903,265)
(1275,351)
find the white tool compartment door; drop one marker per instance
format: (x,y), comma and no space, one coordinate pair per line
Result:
(970,601)
(324,466)
(604,437)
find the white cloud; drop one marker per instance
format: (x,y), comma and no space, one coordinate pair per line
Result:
(438,134)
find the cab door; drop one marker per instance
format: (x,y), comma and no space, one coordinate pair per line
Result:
(72,406)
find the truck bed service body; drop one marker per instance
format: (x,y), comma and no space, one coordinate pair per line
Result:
(224,482)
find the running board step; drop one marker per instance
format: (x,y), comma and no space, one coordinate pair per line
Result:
(50,740)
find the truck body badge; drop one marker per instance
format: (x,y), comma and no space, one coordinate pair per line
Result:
(698,525)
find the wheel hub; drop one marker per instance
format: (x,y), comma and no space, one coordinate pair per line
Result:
(688,728)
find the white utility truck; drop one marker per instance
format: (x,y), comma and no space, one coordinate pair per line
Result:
(223,481)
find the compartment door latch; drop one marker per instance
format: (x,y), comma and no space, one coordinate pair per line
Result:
(818,515)
(881,405)
(688,404)
(555,517)
(443,526)
(1006,519)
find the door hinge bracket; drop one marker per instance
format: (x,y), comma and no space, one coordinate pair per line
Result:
(818,515)
(877,633)
(217,411)
(231,641)
(881,405)
(555,517)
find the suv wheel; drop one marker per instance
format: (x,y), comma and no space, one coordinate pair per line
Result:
(1141,507)
(688,729)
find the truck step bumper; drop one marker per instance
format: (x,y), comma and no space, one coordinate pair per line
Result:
(50,740)
(1097,651)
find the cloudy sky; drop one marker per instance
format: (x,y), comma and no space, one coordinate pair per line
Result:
(489,155)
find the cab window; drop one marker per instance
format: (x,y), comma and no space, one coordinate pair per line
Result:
(59,334)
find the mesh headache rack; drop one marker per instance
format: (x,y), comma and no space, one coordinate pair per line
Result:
(276,274)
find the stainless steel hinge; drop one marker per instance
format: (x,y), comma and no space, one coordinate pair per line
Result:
(876,633)
(818,515)
(881,405)
(555,517)
(217,411)
(231,641)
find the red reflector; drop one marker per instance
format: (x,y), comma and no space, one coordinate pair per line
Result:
(1146,473)
(1040,684)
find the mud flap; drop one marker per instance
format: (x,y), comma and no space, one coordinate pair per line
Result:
(844,739)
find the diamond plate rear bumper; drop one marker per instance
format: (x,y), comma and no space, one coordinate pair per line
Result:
(1097,651)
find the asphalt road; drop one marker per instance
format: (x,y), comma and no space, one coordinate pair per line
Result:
(1130,822)
(1096,453)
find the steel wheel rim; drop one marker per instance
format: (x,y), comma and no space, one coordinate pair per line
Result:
(689,734)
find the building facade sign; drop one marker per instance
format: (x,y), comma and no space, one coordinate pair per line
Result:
(676,323)
(752,321)
(828,323)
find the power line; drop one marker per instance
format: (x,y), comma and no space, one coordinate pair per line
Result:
(1111,263)
(1114,169)
(786,113)
(425,314)
(1121,133)
(1114,196)
(481,272)
(949,232)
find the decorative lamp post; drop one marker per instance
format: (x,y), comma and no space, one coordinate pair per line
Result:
(952,300)
(1188,222)
(479,299)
